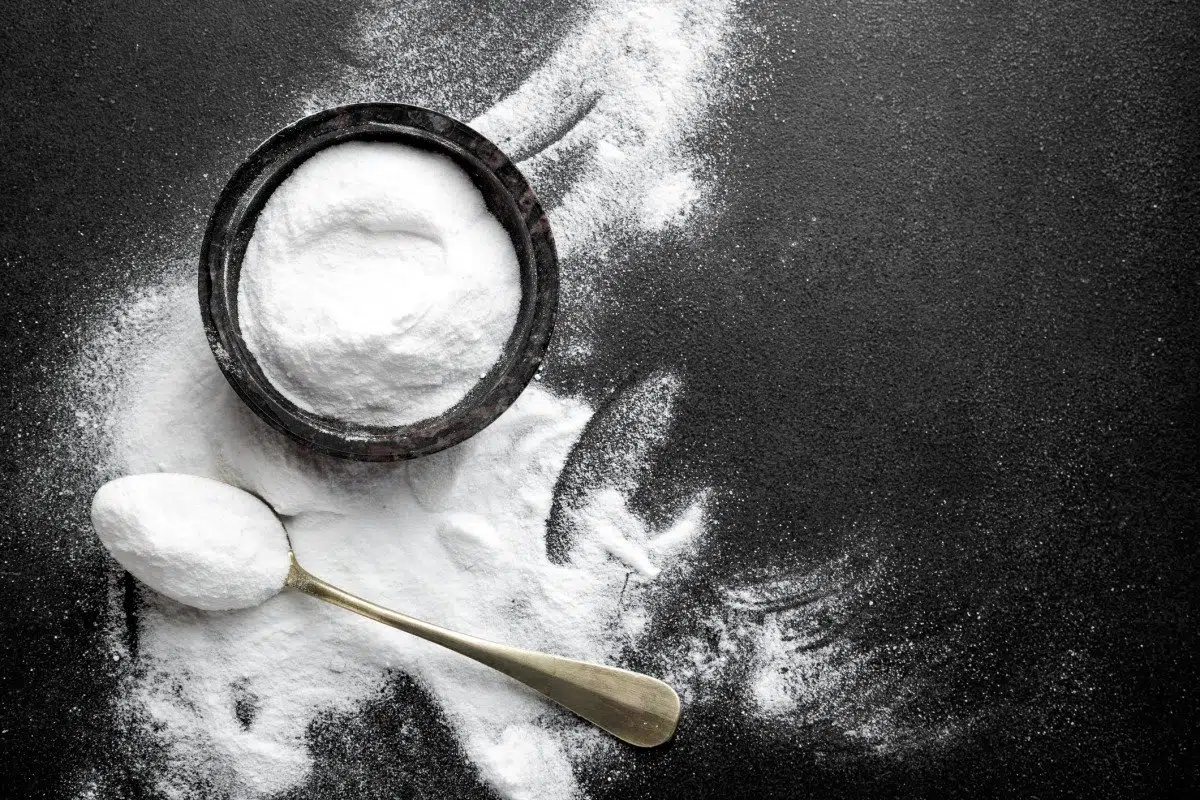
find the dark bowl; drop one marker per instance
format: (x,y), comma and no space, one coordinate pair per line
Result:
(508,197)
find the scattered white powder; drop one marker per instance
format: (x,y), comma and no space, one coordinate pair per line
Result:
(203,543)
(460,537)
(777,647)
(457,538)
(604,127)
(377,286)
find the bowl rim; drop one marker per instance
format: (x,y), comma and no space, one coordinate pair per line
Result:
(507,194)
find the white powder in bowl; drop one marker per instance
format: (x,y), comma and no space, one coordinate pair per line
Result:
(198,541)
(377,287)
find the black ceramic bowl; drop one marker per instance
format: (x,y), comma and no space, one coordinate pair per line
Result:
(507,195)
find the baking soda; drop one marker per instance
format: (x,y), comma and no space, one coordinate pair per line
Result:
(377,287)
(462,538)
(459,538)
(200,542)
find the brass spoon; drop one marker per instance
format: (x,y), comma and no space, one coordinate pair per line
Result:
(635,708)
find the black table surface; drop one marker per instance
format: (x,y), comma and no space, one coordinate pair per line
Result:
(960,331)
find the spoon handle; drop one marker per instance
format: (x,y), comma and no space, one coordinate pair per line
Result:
(635,708)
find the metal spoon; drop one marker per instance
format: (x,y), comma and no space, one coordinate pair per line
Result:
(177,532)
(635,708)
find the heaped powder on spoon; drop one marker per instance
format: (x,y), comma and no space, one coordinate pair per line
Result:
(198,541)
(377,287)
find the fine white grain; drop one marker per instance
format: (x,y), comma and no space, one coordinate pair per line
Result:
(377,286)
(198,541)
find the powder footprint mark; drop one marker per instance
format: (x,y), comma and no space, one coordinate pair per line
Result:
(246,704)
(400,718)
(521,142)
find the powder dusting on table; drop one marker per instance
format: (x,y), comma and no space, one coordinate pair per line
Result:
(458,538)
(604,127)
(613,108)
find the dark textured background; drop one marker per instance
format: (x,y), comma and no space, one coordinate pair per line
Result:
(959,337)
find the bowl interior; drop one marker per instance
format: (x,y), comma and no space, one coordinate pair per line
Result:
(508,197)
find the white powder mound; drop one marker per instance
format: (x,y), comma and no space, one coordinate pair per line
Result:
(203,543)
(457,538)
(377,286)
